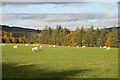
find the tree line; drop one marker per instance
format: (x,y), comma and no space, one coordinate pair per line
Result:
(9,38)
(65,37)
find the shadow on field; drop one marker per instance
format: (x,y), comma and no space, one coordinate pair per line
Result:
(11,70)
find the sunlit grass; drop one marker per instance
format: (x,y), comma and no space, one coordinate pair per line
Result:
(59,62)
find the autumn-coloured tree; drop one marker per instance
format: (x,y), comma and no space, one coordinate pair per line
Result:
(103,36)
(107,43)
(13,40)
(20,40)
(24,39)
(69,39)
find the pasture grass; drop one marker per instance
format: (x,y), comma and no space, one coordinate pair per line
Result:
(59,62)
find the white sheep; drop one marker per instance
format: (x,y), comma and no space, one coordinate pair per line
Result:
(33,44)
(14,46)
(40,46)
(34,49)
(36,44)
(17,45)
(104,47)
(100,46)
(108,48)
(83,46)
(77,46)
(49,46)
(26,45)
(53,45)
(3,44)
(68,46)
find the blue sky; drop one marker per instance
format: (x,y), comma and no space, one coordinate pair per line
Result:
(70,15)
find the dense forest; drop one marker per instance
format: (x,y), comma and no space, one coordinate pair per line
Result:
(64,37)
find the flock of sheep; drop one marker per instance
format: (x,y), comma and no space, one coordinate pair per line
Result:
(35,48)
(107,48)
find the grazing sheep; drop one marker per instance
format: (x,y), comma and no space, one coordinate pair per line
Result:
(68,46)
(34,49)
(36,44)
(108,48)
(77,46)
(53,45)
(3,44)
(104,47)
(40,46)
(83,46)
(100,46)
(26,45)
(49,46)
(33,44)
(14,46)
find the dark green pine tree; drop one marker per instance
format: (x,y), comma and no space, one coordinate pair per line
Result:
(103,37)
(49,35)
(59,36)
(63,36)
(96,35)
(76,37)
(81,35)
(97,32)
(87,38)
(91,37)
(3,40)
(114,38)
(94,39)
(77,29)
(54,36)
(43,38)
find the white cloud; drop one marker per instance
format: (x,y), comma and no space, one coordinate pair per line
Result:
(110,6)
(65,17)
(38,21)
(76,12)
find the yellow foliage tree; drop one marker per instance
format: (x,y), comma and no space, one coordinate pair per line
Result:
(107,43)
(69,39)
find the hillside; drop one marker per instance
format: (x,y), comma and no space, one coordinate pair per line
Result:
(18,29)
(110,29)
(30,34)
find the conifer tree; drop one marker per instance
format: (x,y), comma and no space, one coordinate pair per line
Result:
(91,36)
(114,38)
(103,37)
(87,38)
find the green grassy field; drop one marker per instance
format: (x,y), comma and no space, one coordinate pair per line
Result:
(59,62)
